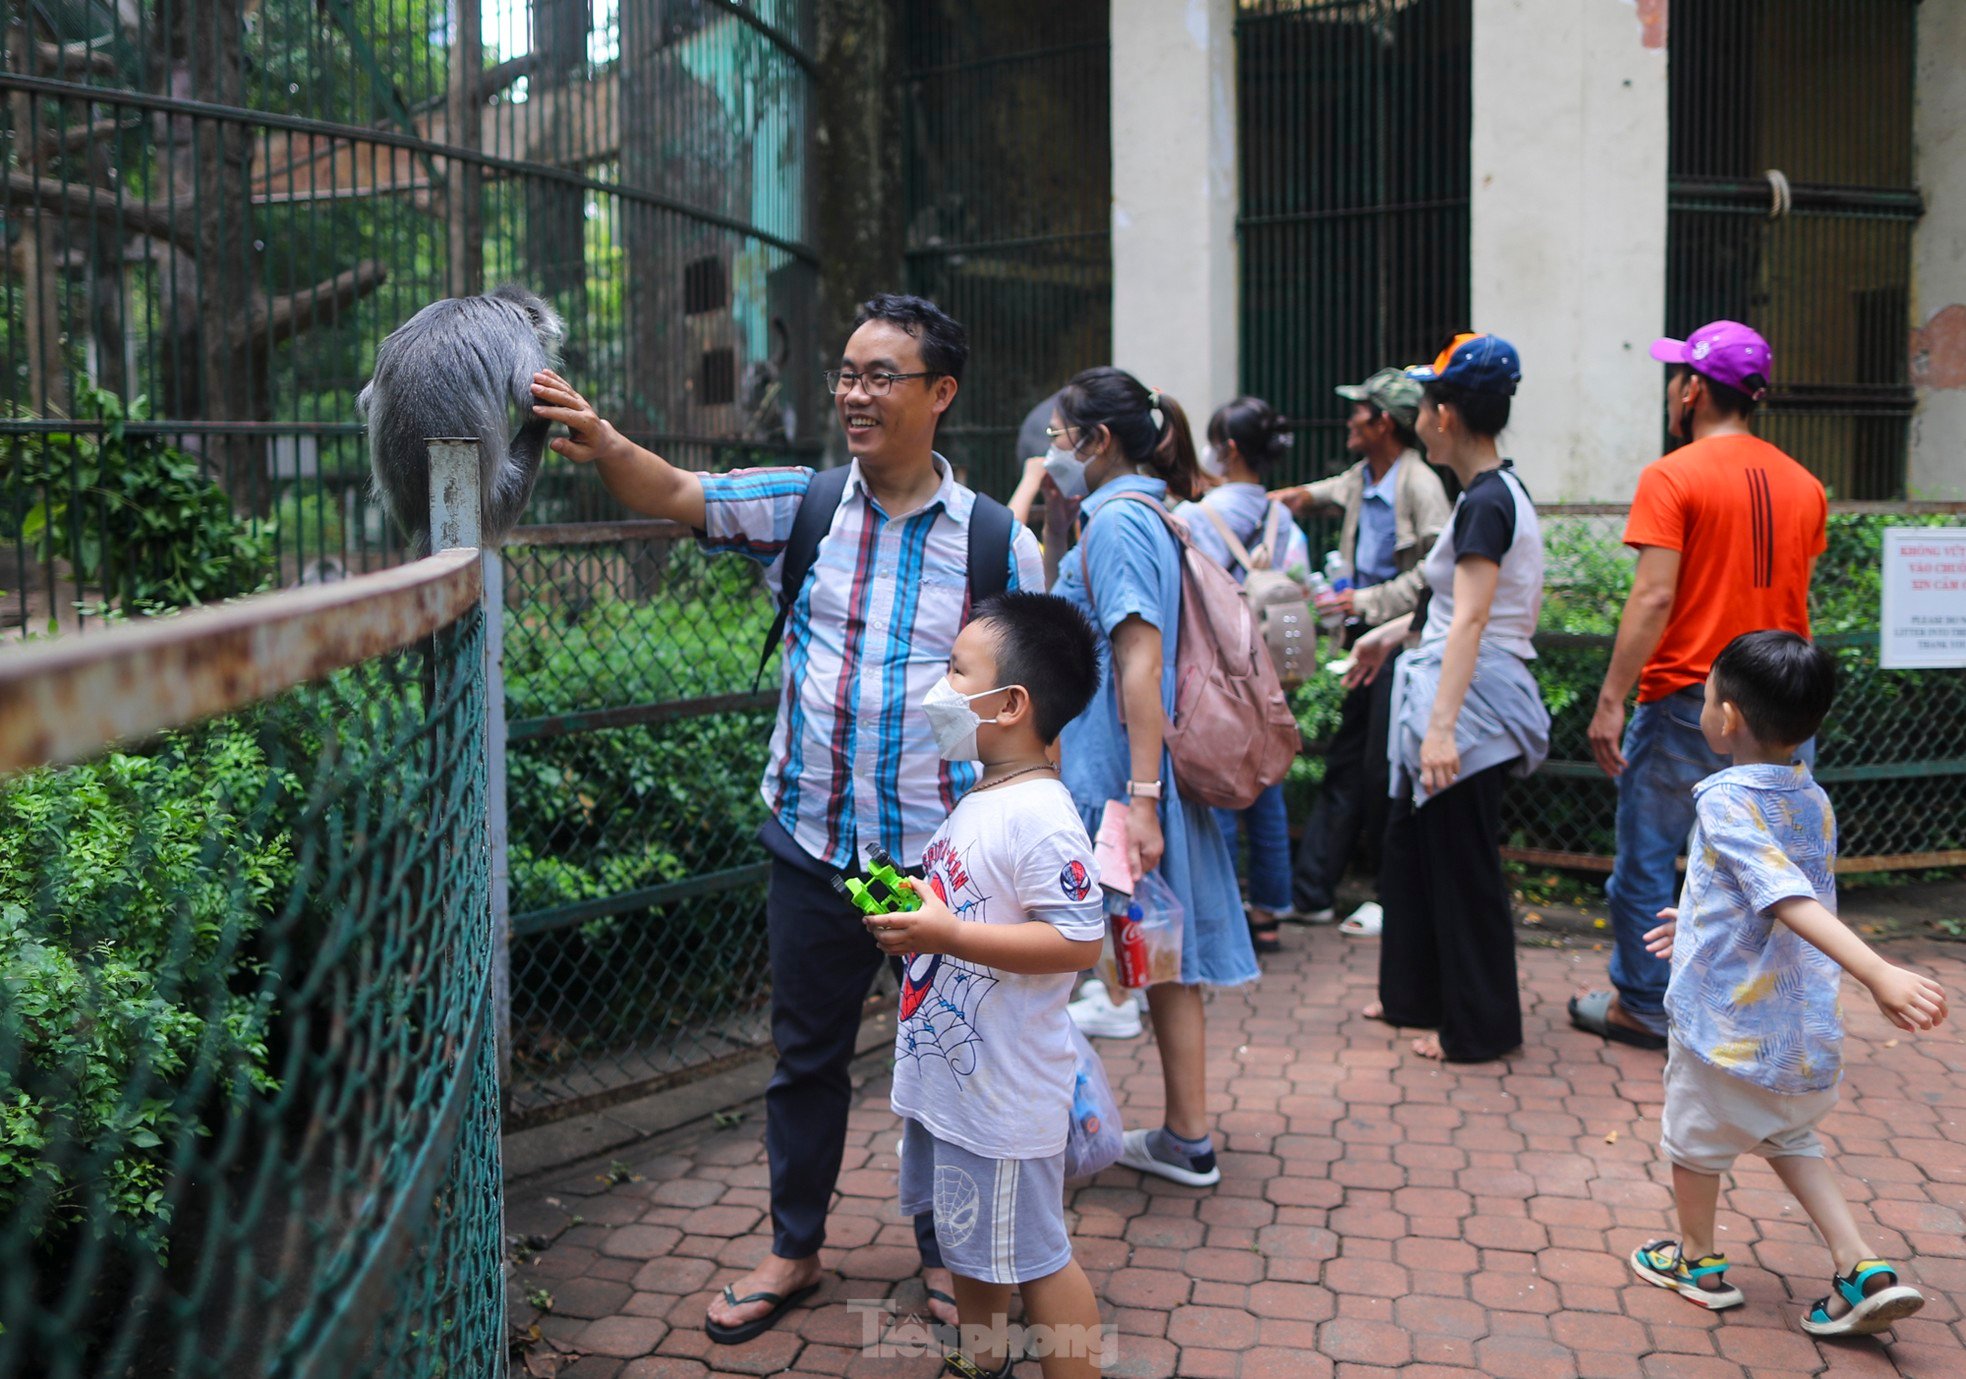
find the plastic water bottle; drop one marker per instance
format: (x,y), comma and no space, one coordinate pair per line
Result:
(1324,600)
(1338,573)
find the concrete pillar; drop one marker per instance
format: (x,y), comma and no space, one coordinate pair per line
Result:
(1938,258)
(1568,230)
(1175,302)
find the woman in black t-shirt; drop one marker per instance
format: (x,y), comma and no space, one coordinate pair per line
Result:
(1466,714)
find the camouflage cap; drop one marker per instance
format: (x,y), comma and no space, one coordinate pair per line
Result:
(1391,391)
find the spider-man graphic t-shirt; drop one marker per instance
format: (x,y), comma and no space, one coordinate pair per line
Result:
(983,1058)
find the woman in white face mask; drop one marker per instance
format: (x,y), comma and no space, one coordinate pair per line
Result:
(1119,449)
(1246,439)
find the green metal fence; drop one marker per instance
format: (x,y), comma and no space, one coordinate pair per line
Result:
(1008,146)
(1892,753)
(636,748)
(221,206)
(249,1118)
(1354,218)
(1792,205)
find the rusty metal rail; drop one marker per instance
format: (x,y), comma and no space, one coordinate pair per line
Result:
(62,701)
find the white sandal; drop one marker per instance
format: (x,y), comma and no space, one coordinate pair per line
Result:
(1364,922)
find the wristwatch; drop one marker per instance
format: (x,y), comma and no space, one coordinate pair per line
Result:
(1143,790)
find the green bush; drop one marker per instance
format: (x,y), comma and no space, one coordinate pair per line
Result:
(130,892)
(135,518)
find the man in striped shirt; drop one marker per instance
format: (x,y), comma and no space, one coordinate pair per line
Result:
(853,763)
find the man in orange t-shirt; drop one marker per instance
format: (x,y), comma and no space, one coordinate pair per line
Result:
(1727,530)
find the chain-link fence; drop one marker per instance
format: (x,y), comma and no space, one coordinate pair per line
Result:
(1892,753)
(249,1107)
(636,747)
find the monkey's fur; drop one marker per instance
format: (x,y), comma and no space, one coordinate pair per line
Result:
(458,368)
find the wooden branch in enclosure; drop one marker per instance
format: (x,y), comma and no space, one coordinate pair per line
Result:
(495,79)
(170,221)
(67,699)
(76,137)
(285,317)
(72,59)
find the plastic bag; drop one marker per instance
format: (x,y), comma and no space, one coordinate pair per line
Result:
(1144,934)
(1094,1140)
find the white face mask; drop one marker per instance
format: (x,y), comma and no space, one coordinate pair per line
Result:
(953,721)
(1067,470)
(1212,463)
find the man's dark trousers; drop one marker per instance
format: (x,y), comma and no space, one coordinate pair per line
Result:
(1351,799)
(823,961)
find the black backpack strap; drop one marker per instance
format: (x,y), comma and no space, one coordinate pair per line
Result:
(991,528)
(812,521)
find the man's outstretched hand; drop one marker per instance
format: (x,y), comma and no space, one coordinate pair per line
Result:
(589,436)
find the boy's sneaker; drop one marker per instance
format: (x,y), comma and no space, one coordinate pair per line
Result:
(1889,1301)
(1660,1263)
(1150,1152)
(1098,1018)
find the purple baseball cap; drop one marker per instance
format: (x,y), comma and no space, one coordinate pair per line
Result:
(1725,351)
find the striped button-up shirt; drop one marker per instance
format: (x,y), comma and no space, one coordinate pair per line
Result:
(853,762)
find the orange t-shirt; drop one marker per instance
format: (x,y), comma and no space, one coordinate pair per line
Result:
(1747,522)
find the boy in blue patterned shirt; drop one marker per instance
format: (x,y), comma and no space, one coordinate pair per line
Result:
(1757,951)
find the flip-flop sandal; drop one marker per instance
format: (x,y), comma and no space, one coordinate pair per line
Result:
(1869,1312)
(937,1295)
(757,1326)
(1592,1014)
(1365,922)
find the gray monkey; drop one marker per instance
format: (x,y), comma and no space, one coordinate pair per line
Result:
(458,368)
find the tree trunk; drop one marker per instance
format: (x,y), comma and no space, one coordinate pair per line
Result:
(858,144)
(228,264)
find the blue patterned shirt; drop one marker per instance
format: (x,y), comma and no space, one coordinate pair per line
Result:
(1748,994)
(853,762)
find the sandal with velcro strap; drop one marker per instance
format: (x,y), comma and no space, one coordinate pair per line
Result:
(1661,1264)
(960,1365)
(1870,1311)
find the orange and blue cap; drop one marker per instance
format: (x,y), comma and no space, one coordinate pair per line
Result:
(1479,363)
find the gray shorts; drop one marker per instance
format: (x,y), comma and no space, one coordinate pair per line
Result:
(997,1220)
(1713,1117)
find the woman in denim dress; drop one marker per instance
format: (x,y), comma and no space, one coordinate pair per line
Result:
(1115,443)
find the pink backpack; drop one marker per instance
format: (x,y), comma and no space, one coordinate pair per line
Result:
(1232,735)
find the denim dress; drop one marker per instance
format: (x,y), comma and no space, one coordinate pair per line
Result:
(1136,570)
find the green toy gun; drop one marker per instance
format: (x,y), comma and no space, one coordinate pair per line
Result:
(882,892)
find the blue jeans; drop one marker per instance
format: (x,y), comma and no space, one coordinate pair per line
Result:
(1666,755)
(1266,824)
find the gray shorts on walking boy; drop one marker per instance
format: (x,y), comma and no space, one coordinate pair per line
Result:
(997,1220)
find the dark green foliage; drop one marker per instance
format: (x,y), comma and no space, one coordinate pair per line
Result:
(133,516)
(130,892)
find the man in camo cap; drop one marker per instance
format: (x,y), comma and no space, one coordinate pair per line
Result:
(1394,507)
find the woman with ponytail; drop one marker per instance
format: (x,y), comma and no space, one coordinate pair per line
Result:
(1246,439)
(1118,450)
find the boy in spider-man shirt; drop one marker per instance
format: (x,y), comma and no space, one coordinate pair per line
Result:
(984,1058)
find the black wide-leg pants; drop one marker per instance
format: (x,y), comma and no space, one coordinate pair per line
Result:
(1447,952)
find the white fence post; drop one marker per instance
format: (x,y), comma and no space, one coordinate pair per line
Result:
(455,522)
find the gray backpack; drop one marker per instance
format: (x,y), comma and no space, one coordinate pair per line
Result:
(1282,606)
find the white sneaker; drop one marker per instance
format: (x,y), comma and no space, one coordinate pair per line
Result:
(1098,1018)
(1134,1153)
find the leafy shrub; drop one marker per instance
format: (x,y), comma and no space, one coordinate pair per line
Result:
(130,891)
(134,517)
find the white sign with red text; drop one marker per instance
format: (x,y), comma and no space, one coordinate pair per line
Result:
(1924,622)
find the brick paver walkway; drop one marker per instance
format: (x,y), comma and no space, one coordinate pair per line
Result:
(1377,1214)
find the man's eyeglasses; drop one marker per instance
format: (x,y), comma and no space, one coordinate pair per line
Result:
(877,384)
